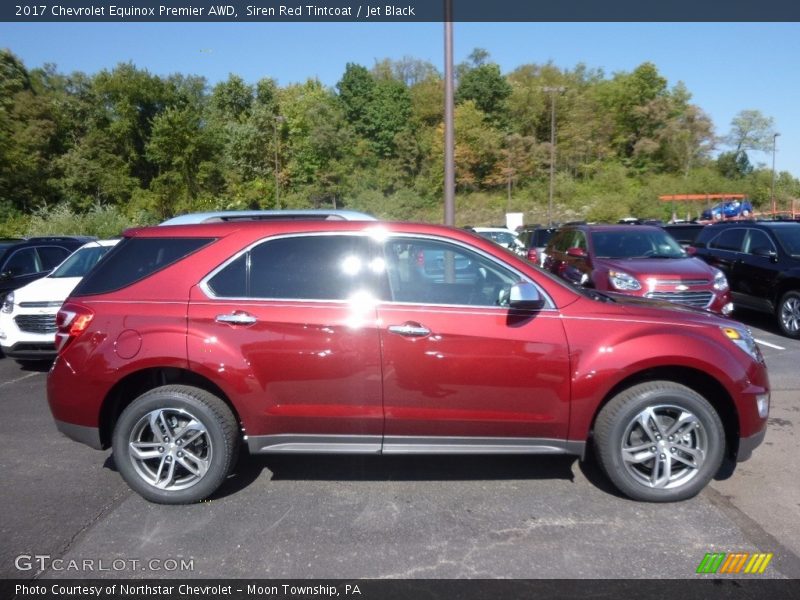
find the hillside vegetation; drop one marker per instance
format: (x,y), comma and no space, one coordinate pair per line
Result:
(96,153)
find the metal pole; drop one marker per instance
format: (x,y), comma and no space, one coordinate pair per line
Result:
(278,119)
(449,136)
(552,91)
(772,193)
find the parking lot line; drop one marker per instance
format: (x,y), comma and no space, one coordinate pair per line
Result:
(763,343)
(5,383)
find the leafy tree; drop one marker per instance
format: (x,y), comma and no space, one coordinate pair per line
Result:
(751,130)
(734,165)
(483,84)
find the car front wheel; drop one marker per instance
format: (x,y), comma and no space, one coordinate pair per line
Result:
(789,314)
(175,444)
(659,441)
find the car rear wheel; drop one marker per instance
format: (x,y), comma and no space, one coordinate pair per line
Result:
(659,441)
(175,444)
(789,314)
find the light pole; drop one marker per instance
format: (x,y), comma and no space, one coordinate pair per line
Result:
(772,193)
(449,129)
(278,119)
(552,90)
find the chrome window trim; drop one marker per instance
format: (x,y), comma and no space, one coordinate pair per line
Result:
(205,288)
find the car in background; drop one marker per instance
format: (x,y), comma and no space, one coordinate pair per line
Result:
(761,260)
(502,237)
(728,210)
(186,342)
(684,233)
(638,260)
(28,314)
(23,261)
(534,239)
(220,216)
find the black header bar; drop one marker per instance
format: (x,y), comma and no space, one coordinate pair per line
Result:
(399,11)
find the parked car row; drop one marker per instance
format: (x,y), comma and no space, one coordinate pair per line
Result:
(716,267)
(28,314)
(640,260)
(761,261)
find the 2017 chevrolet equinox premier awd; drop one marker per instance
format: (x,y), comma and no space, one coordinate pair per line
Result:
(321,336)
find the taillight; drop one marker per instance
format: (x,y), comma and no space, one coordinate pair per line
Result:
(691,250)
(533,256)
(421,258)
(71,321)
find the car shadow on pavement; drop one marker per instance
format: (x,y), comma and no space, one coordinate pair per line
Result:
(35,366)
(760,320)
(395,468)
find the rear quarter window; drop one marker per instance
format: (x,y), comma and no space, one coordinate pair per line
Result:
(133,259)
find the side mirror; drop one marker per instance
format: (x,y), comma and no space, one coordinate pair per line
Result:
(576,252)
(524,295)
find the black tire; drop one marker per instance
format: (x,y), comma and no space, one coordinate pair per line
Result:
(200,444)
(703,435)
(788,314)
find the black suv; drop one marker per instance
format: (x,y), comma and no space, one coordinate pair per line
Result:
(761,260)
(23,261)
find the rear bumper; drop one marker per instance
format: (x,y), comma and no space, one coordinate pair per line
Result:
(80,433)
(748,444)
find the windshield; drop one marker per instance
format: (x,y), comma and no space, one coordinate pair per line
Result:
(636,243)
(80,261)
(789,238)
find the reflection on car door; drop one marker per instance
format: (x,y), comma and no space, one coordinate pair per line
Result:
(461,371)
(294,318)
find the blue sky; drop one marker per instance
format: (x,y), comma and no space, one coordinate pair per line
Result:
(726,67)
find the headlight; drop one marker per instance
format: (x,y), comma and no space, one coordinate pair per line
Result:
(720,281)
(622,281)
(8,303)
(742,337)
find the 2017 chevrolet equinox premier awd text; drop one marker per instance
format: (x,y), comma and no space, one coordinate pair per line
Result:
(365,337)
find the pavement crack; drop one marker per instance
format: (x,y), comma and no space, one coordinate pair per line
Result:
(785,561)
(104,511)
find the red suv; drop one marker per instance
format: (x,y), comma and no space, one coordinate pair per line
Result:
(640,260)
(317,336)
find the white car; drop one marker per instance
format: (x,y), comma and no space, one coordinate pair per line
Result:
(28,314)
(503,237)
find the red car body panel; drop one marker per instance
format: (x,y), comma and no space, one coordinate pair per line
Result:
(335,368)
(476,374)
(301,368)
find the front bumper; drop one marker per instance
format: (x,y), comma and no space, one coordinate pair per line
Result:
(748,444)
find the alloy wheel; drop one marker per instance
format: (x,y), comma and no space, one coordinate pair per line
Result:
(664,446)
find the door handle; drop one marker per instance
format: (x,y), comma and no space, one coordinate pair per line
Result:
(237,317)
(410,330)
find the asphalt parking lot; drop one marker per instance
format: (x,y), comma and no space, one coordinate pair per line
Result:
(387,517)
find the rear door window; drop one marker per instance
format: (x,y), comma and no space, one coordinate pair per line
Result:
(730,239)
(322,267)
(52,256)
